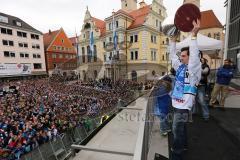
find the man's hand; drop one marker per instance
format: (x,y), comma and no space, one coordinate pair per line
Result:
(196,27)
(173,39)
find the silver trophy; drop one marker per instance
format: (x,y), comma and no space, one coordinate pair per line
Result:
(171,30)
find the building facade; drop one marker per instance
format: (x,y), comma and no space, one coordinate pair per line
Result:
(140,53)
(60,54)
(21,49)
(232,45)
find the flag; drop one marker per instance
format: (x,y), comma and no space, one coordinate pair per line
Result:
(114,34)
(91,42)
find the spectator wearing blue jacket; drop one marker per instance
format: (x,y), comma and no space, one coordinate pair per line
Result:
(163,103)
(224,76)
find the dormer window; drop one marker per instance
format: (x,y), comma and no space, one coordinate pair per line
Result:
(19,24)
(3,19)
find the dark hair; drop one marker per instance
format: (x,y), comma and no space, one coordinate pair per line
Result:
(201,54)
(185,49)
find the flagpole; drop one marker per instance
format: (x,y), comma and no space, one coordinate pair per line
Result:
(114,48)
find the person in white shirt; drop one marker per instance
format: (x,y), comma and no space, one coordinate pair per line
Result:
(188,75)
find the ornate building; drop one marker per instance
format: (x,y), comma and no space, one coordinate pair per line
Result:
(141,49)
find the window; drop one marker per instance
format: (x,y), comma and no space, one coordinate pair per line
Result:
(105,58)
(54,47)
(19,24)
(110,39)
(104,44)
(136,55)
(160,12)
(116,24)
(156,23)
(153,39)
(7,43)
(136,38)
(9,54)
(131,39)
(62,40)
(153,55)
(54,56)
(37,65)
(3,19)
(22,34)
(34,55)
(34,36)
(163,58)
(110,26)
(21,55)
(25,45)
(26,55)
(209,35)
(62,48)
(6,31)
(38,56)
(60,56)
(35,46)
(83,54)
(132,55)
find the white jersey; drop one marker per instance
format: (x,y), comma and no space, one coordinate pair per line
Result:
(192,75)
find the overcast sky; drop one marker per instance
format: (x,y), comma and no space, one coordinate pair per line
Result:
(69,14)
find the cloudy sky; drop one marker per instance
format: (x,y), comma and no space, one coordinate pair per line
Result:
(69,14)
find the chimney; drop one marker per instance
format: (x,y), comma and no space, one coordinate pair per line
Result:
(49,31)
(142,4)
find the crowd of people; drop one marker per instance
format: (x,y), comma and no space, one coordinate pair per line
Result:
(32,112)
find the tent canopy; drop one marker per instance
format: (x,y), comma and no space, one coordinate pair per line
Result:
(204,43)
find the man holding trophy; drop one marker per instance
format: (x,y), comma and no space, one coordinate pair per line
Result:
(188,75)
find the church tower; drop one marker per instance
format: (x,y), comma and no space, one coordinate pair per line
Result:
(196,2)
(129,5)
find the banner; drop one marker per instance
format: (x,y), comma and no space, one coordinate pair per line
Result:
(15,69)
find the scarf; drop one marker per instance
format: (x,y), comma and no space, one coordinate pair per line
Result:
(178,90)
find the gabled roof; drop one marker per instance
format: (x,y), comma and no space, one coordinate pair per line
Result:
(123,12)
(209,20)
(139,15)
(49,37)
(100,24)
(12,21)
(74,39)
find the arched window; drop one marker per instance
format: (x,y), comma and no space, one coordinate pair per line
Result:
(134,76)
(95,73)
(95,53)
(83,54)
(88,54)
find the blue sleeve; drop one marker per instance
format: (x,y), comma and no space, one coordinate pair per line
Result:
(224,73)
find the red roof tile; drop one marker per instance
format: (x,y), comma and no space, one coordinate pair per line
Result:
(139,15)
(73,39)
(209,20)
(100,24)
(48,38)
